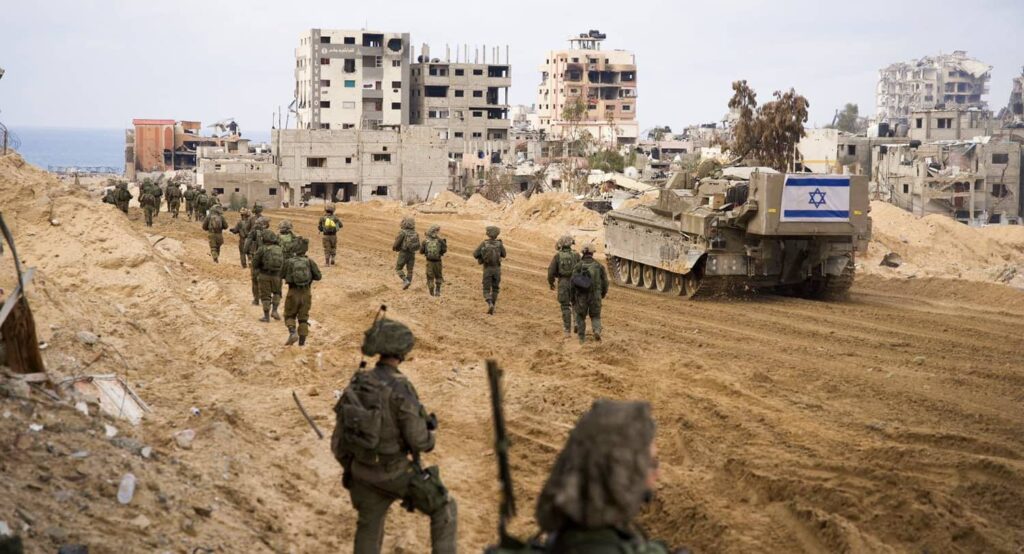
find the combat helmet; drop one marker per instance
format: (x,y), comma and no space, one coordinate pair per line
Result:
(492,231)
(388,337)
(285,225)
(244,212)
(301,246)
(329,207)
(589,248)
(564,241)
(433,231)
(408,223)
(257,208)
(269,236)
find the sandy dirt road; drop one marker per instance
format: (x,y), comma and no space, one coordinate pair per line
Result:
(889,422)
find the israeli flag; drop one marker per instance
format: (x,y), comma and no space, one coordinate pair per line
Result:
(816,198)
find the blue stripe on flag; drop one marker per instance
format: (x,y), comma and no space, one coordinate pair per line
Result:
(817,182)
(817,213)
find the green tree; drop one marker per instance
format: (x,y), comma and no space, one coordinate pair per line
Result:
(770,132)
(607,160)
(659,133)
(744,133)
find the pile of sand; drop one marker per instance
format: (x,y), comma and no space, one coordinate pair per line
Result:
(937,246)
(552,209)
(447,199)
(477,201)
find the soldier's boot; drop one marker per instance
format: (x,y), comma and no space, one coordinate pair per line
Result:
(302,340)
(490,307)
(596,324)
(214,254)
(437,289)
(327,259)
(274,313)
(266,315)
(408,283)
(293,337)
(567,333)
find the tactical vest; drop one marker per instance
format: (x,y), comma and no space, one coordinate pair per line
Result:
(366,427)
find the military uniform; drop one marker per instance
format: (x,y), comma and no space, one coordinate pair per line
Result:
(407,243)
(560,269)
(190,202)
(122,196)
(149,200)
(489,254)
(202,203)
(600,482)
(376,476)
(214,224)
(268,263)
(433,249)
(329,226)
(173,194)
(286,238)
(299,272)
(242,230)
(588,302)
(253,241)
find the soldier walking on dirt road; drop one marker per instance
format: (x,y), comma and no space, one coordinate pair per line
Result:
(214,224)
(382,428)
(561,269)
(433,249)
(268,263)
(329,226)
(489,254)
(407,243)
(253,241)
(122,196)
(299,273)
(589,287)
(190,202)
(149,200)
(602,478)
(242,230)
(173,195)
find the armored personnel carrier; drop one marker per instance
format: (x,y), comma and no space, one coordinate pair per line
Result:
(794,234)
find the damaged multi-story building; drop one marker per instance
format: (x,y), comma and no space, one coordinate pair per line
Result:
(945,81)
(1013,114)
(351,79)
(161,145)
(465,102)
(605,80)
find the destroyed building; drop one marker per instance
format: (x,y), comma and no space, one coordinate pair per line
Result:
(944,81)
(159,145)
(466,104)
(1013,114)
(606,81)
(239,176)
(951,124)
(351,79)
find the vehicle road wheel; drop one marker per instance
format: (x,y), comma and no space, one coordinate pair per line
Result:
(635,277)
(649,276)
(620,270)
(663,280)
(692,281)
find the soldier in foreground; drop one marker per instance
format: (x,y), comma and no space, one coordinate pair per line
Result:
(602,478)
(149,200)
(173,195)
(299,273)
(190,202)
(589,287)
(122,196)
(214,225)
(560,269)
(407,243)
(489,254)
(433,249)
(381,431)
(268,263)
(329,226)
(253,241)
(242,230)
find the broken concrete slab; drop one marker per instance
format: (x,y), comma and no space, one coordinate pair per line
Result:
(115,397)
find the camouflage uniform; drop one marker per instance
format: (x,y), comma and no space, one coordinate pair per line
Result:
(108,197)
(201,203)
(122,196)
(329,226)
(286,238)
(253,241)
(435,278)
(492,267)
(268,263)
(149,200)
(588,302)
(190,202)
(600,482)
(214,224)
(300,291)
(406,244)
(173,194)
(377,477)
(560,269)
(242,230)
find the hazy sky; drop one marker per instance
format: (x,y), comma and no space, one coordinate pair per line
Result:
(84,63)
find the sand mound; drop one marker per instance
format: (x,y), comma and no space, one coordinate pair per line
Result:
(553,208)
(447,199)
(937,246)
(478,201)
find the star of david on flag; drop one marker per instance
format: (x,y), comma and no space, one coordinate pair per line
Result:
(816,198)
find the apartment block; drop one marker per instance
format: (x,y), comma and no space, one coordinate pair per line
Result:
(946,81)
(605,80)
(351,79)
(465,103)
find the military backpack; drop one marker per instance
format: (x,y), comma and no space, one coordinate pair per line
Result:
(361,412)
(490,253)
(299,273)
(411,242)
(433,250)
(566,263)
(147,198)
(287,242)
(330,225)
(583,278)
(217,224)
(273,258)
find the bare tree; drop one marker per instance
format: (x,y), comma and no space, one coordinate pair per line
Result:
(770,132)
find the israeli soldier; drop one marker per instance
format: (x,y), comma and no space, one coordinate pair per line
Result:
(122,196)
(433,249)
(252,243)
(299,273)
(602,478)
(108,196)
(173,195)
(242,230)
(148,200)
(407,243)
(389,470)
(329,226)
(214,224)
(190,202)
(268,263)
(158,193)
(286,238)
(560,269)
(202,203)
(589,287)
(489,254)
